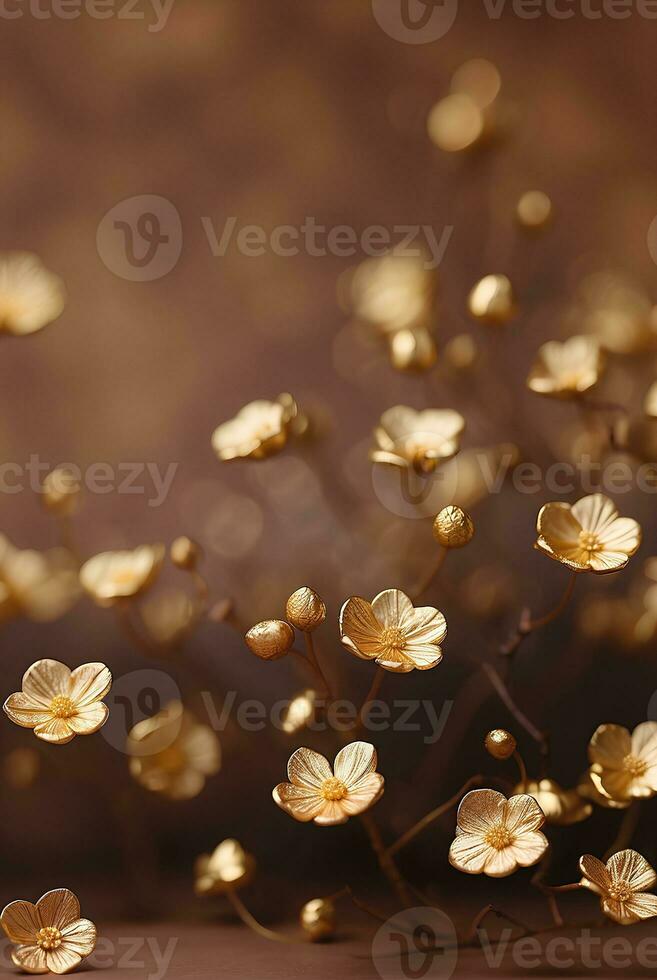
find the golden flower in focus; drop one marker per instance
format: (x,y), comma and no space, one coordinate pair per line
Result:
(50,936)
(172,753)
(318,919)
(114,575)
(270,639)
(41,585)
(500,744)
(560,806)
(624,766)
(61,492)
(587,536)
(495,836)
(330,796)
(564,370)
(59,703)
(650,402)
(422,439)
(305,609)
(228,868)
(185,553)
(394,634)
(456,123)
(616,311)
(492,300)
(621,885)
(21,768)
(299,711)
(534,210)
(413,350)
(260,429)
(587,788)
(453,527)
(169,616)
(30,295)
(394,292)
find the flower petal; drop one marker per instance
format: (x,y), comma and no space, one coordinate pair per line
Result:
(31,959)
(89,683)
(354,761)
(621,786)
(595,875)
(25,712)
(332,813)
(21,922)
(62,959)
(183,785)
(557,524)
(618,912)
(57,731)
(522,814)
(80,937)
(391,606)
(395,661)
(529,848)
(58,908)
(201,746)
(644,742)
(604,562)
(424,625)
(44,680)
(360,630)
(623,534)
(89,719)
(423,656)
(308,769)
(609,745)
(364,794)
(632,868)
(479,810)
(642,906)
(469,853)
(501,863)
(302,803)
(595,513)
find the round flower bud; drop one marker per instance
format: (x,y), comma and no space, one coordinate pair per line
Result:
(500,744)
(492,300)
(305,609)
(318,919)
(453,527)
(185,553)
(60,492)
(270,639)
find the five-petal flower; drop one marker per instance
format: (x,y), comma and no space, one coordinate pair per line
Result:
(588,536)
(495,836)
(50,936)
(624,766)
(621,885)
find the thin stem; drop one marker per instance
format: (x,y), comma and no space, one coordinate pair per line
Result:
(471,934)
(135,636)
(311,654)
(386,862)
(626,830)
(520,717)
(257,927)
(435,569)
(375,687)
(434,815)
(202,588)
(522,768)
(527,625)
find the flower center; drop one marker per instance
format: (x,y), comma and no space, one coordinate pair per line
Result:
(499,837)
(634,765)
(49,937)
(171,759)
(333,789)
(589,542)
(394,639)
(620,891)
(61,707)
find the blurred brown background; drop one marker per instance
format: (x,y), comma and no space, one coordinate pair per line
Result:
(272,112)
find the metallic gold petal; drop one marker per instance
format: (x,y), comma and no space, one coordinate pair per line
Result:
(558,525)
(424,624)
(331,814)
(621,785)
(57,731)
(479,810)
(24,712)
(423,656)
(623,534)
(80,937)
(595,874)
(30,959)
(609,745)
(632,868)
(642,906)
(21,922)
(360,630)
(363,794)
(44,680)
(469,853)
(595,513)
(390,606)
(302,803)
(395,661)
(89,683)
(529,848)
(605,562)
(618,912)
(500,864)
(522,814)
(644,742)
(58,908)
(354,761)
(308,769)
(62,959)
(88,720)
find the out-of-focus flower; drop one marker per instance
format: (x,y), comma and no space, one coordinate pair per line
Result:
(228,868)
(271,639)
(492,300)
(305,609)
(260,429)
(169,616)
(560,806)
(621,885)
(413,350)
(495,836)
(394,292)
(587,788)
(650,401)
(587,536)
(618,312)
(392,633)
(185,553)
(21,767)
(59,703)
(500,744)
(422,439)
(615,620)
(115,575)
(172,753)
(330,796)
(50,936)
(637,436)
(299,711)
(456,123)
(318,919)
(461,352)
(624,766)
(489,590)
(479,79)
(61,492)
(30,295)
(565,370)
(534,210)
(41,585)
(453,527)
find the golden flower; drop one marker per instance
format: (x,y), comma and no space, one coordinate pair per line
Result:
(299,711)
(172,753)
(461,352)
(51,937)
(650,401)
(115,575)
(228,868)
(422,439)
(534,210)
(453,527)
(492,300)
(258,430)
(617,311)
(624,766)
(39,585)
(456,123)
(621,885)
(560,806)
(394,292)
(587,788)
(565,370)
(330,796)
(305,609)
(495,835)
(30,295)
(394,634)
(318,919)
(413,349)
(60,492)
(170,615)
(478,78)
(185,553)
(500,744)
(588,536)
(270,639)
(59,703)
